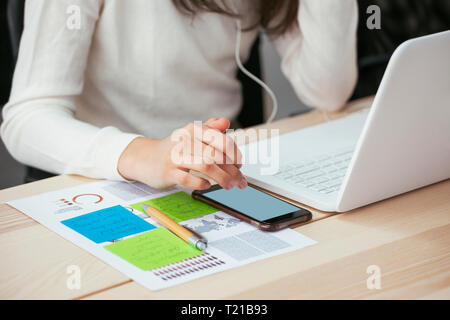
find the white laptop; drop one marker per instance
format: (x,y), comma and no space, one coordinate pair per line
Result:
(400,144)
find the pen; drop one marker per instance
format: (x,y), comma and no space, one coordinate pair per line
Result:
(178,229)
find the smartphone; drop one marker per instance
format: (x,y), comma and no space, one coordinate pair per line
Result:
(254,206)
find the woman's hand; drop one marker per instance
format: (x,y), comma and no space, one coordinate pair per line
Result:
(202,148)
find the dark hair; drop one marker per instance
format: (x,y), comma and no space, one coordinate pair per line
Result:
(285,12)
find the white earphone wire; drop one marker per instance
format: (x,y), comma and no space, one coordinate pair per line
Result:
(252,76)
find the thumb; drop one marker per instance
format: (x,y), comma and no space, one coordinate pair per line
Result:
(221,124)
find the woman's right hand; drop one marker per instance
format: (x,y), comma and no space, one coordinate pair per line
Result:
(201,148)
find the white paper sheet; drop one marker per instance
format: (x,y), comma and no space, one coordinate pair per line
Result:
(231,242)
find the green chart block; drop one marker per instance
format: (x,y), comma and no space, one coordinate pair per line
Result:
(179,206)
(153,249)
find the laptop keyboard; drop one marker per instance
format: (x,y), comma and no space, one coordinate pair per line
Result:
(323,173)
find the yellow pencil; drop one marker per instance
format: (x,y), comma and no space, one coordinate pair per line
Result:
(182,232)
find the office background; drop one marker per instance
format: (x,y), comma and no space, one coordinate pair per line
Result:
(400,20)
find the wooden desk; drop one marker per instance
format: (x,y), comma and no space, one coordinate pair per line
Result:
(407,237)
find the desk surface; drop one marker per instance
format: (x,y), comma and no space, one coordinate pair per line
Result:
(406,237)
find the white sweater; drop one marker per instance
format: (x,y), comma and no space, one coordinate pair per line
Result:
(140,67)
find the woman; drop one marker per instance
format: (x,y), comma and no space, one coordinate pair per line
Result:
(100,96)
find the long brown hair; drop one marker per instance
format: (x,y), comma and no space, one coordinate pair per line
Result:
(284,10)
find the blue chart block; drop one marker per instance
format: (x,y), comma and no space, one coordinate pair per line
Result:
(108,224)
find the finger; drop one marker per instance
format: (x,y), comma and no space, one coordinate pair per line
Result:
(211,120)
(221,124)
(222,143)
(241,181)
(212,171)
(215,155)
(186,179)
(212,153)
(194,133)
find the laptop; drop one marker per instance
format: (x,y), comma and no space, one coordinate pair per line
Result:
(400,143)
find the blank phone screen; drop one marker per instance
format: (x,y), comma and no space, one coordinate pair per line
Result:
(251,202)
